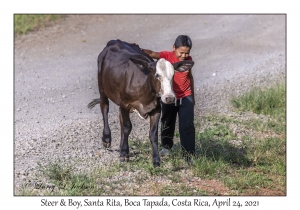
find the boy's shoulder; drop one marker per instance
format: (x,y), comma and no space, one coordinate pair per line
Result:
(170,56)
(166,53)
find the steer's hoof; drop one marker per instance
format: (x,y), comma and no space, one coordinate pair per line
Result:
(124,159)
(156,164)
(106,145)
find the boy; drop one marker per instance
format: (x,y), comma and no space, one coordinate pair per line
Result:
(183,87)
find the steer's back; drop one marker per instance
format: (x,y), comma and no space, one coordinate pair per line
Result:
(119,78)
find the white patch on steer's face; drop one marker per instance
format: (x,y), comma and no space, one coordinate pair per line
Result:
(165,73)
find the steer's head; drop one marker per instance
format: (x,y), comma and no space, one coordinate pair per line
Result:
(162,73)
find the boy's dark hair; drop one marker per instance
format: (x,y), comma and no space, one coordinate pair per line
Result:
(183,40)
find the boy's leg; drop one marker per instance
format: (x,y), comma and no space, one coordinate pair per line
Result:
(186,125)
(168,122)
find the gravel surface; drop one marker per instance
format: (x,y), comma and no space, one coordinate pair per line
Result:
(55,77)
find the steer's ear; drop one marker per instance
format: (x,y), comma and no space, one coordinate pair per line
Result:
(149,65)
(183,65)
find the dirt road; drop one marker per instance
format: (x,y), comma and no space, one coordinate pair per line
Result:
(55,75)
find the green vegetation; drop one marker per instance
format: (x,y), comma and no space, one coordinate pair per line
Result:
(23,23)
(268,101)
(245,156)
(68,182)
(181,190)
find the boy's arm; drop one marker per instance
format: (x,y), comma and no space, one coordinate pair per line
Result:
(151,53)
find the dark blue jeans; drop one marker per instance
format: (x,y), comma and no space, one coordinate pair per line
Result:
(185,110)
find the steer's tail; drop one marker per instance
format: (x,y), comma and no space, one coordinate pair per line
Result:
(93,103)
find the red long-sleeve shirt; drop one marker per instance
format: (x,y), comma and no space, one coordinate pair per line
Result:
(181,83)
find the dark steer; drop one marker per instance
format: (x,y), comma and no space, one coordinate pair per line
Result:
(135,82)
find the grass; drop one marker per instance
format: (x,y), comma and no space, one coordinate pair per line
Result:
(250,161)
(269,101)
(69,183)
(23,23)
(181,190)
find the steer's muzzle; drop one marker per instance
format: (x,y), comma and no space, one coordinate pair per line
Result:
(169,99)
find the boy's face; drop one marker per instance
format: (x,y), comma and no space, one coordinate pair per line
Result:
(181,52)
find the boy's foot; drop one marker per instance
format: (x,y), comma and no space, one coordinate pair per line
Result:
(164,152)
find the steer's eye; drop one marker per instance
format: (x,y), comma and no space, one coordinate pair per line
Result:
(157,76)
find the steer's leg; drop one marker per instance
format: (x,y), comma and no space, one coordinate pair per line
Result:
(104,106)
(126,127)
(153,135)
